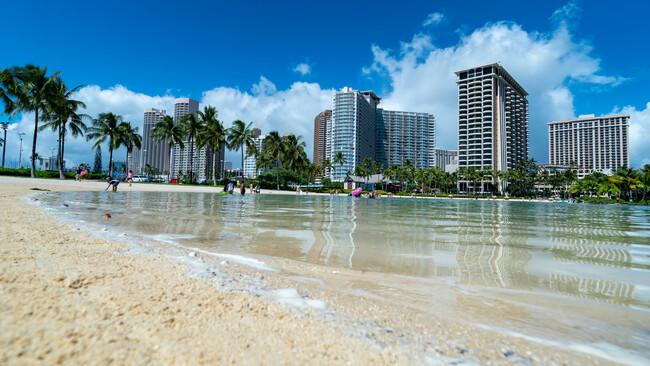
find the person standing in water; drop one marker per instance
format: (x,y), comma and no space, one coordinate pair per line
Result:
(243,188)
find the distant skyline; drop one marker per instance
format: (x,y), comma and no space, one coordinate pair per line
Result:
(278,64)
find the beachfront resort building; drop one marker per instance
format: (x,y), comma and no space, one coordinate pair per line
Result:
(201,164)
(447,160)
(153,153)
(359,130)
(250,162)
(405,135)
(492,120)
(322,120)
(593,144)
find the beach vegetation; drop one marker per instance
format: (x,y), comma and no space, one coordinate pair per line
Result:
(192,127)
(213,136)
(239,137)
(108,126)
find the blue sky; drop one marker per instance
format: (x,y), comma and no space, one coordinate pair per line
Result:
(277,63)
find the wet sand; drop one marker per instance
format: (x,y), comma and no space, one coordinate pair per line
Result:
(68,297)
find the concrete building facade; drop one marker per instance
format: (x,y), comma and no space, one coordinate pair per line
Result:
(154,153)
(492,119)
(250,162)
(592,143)
(360,130)
(189,158)
(405,135)
(322,120)
(447,160)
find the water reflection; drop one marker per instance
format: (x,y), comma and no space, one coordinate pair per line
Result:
(575,250)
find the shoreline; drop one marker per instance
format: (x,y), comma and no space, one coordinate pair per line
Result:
(98,292)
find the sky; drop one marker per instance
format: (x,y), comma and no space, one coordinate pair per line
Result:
(277,64)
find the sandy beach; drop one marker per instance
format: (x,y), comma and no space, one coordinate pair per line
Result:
(70,297)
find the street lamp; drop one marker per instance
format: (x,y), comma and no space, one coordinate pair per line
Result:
(5,126)
(20,152)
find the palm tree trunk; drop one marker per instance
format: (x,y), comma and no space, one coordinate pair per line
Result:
(242,162)
(191,158)
(110,160)
(34,144)
(61,175)
(214,165)
(277,174)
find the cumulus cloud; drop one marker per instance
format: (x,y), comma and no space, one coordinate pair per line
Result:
(302,69)
(118,99)
(433,18)
(639,134)
(422,75)
(290,110)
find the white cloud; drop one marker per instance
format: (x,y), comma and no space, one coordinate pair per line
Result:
(422,75)
(433,18)
(291,110)
(303,69)
(639,134)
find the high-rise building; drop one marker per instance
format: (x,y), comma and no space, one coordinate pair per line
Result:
(492,119)
(447,160)
(153,153)
(320,135)
(405,135)
(189,158)
(592,143)
(360,130)
(250,162)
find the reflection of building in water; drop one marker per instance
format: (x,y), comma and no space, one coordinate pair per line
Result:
(603,290)
(593,254)
(492,251)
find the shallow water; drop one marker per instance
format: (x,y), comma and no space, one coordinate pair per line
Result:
(590,254)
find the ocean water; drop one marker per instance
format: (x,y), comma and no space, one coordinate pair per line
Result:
(587,259)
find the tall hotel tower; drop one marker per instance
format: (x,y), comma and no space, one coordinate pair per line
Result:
(352,131)
(250,162)
(320,135)
(360,130)
(154,153)
(492,119)
(181,157)
(593,143)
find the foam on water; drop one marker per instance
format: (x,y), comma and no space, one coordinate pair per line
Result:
(291,296)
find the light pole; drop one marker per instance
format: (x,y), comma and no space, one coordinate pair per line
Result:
(5,126)
(20,152)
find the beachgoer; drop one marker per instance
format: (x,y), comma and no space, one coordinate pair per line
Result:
(231,188)
(243,188)
(251,188)
(257,188)
(112,182)
(297,189)
(77,176)
(129,177)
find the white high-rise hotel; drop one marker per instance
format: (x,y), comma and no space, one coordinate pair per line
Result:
(359,130)
(250,162)
(201,164)
(492,119)
(592,143)
(154,153)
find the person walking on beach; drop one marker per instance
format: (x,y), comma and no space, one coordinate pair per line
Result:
(129,177)
(77,176)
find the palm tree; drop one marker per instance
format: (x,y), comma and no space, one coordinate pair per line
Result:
(166,130)
(129,137)
(294,156)
(106,126)
(213,135)
(240,136)
(32,92)
(339,158)
(272,149)
(192,126)
(61,114)
(326,164)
